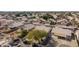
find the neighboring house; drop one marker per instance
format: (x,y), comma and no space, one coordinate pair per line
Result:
(66,27)
(28,27)
(54,15)
(5,22)
(77,19)
(15,24)
(62,21)
(42,27)
(60,32)
(1,16)
(1,35)
(23,18)
(77,34)
(70,18)
(53,20)
(47,24)
(38,21)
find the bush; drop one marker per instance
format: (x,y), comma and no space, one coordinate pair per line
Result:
(23,33)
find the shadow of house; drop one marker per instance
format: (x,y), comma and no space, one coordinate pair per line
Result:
(48,38)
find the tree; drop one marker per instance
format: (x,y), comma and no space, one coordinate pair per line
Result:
(17,15)
(36,35)
(47,16)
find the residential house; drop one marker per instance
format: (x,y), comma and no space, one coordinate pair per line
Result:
(4,22)
(66,27)
(15,25)
(63,33)
(77,34)
(28,27)
(62,21)
(42,27)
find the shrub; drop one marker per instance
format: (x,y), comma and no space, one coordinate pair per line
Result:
(23,33)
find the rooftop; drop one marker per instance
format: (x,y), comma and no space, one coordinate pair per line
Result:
(42,27)
(61,32)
